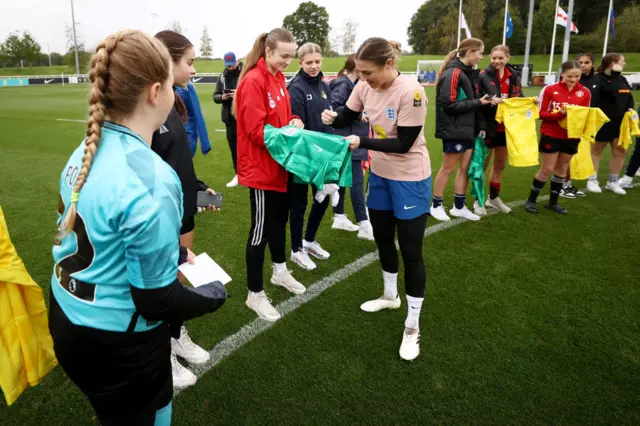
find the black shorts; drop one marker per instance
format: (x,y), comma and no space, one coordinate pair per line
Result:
(188,225)
(500,139)
(125,376)
(607,133)
(455,147)
(551,145)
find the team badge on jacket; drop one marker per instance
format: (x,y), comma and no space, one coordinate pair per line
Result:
(272,103)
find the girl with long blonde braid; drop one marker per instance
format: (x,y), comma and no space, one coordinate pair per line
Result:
(114,288)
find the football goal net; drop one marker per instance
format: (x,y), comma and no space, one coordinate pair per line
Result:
(427,72)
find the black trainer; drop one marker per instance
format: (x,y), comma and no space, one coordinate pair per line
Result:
(556,208)
(577,192)
(530,206)
(566,192)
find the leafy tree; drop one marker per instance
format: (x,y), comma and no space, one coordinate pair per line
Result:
(309,23)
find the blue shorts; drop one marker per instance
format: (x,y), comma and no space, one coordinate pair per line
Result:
(456,147)
(408,200)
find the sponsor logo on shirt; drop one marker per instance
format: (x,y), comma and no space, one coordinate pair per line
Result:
(417,99)
(390,113)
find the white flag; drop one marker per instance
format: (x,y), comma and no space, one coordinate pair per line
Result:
(562,18)
(465,26)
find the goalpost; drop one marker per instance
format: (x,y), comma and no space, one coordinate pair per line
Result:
(427,71)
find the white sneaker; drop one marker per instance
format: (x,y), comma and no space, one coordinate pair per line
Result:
(233,182)
(182,377)
(302,259)
(615,188)
(315,250)
(439,213)
(342,222)
(626,182)
(593,186)
(498,204)
(480,211)
(261,305)
(464,213)
(366,231)
(380,304)
(410,346)
(287,281)
(187,350)
(638,172)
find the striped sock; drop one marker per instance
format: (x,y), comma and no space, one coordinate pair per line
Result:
(536,187)
(437,201)
(556,186)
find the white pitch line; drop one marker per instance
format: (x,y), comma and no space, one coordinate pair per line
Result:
(72,121)
(248,332)
(221,130)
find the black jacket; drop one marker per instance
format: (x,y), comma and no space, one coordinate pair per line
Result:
(228,80)
(341,89)
(588,80)
(171,144)
(488,83)
(309,97)
(612,95)
(457,119)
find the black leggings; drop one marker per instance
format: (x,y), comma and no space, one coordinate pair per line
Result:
(410,239)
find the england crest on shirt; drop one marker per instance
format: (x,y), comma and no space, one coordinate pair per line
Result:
(390,113)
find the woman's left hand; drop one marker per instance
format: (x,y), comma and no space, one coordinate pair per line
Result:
(210,207)
(354,142)
(191,258)
(297,123)
(482,134)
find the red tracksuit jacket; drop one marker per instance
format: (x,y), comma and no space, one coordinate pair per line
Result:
(261,98)
(554,97)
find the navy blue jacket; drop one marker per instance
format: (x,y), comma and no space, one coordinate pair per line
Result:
(309,97)
(341,89)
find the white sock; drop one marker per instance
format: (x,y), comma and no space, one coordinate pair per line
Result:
(260,293)
(340,215)
(593,178)
(390,285)
(364,223)
(280,268)
(414,305)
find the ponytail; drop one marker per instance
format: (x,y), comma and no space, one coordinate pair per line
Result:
(447,60)
(264,40)
(349,65)
(466,45)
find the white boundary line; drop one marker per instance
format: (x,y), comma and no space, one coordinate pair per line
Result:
(248,332)
(70,120)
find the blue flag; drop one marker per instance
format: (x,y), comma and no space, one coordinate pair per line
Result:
(612,22)
(509,25)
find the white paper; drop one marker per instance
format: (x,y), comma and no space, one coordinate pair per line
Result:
(204,271)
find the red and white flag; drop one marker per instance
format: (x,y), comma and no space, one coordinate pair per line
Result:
(562,18)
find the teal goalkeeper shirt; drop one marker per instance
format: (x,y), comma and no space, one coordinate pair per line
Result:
(313,157)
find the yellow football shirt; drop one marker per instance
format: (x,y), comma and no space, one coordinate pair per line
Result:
(519,117)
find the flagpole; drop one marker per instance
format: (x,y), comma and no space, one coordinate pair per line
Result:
(606,34)
(504,27)
(459,22)
(567,32)
(553,37)
(525,68)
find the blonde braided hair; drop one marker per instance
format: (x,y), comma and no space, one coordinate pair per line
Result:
(117,83)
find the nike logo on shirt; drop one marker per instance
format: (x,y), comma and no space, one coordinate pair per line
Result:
(409,208)
(319,149)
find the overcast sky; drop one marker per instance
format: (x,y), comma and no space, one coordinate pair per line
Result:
(232,24)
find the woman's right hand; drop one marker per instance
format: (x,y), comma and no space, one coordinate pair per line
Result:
(328,117)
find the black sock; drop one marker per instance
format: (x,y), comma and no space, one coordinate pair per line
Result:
(556,186)
(536,187)
(437,201)
(459,200)
(494,190)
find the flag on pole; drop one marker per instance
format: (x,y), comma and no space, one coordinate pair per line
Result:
(562,18)
(465,26)
(611,21)
(509,25)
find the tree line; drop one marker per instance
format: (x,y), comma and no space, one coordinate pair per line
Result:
(433,28)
